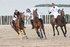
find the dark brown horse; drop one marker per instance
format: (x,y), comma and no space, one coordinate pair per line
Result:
(60,22)
(18,25)
(38,25)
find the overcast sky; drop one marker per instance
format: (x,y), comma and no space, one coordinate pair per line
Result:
(7,7)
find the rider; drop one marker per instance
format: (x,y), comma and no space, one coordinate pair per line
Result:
(16,16)
(30,13)
(55,11)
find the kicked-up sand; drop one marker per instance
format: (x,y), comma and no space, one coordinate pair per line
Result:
(9,38)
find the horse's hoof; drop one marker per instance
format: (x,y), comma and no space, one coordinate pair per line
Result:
(42,36)
(53,34)
(46,38)
(58,33)
(27,38)
(38,35)
(64,35)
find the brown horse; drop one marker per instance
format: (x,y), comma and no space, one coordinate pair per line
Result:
(38,25)
(18,25)
(60,22)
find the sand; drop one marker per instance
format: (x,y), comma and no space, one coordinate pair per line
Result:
(9,38)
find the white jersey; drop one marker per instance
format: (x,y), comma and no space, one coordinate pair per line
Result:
(54,11)
(31,13)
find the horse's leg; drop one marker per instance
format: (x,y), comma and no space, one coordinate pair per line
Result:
(17,32)
(65,29)
(14,27)
(37,32)
(36,29)
(57,29)
(11,23)
(19,35)
(40,29)
(53,30)
(44,32)
(41,24)
(63,32)
(25,33)
(41,33)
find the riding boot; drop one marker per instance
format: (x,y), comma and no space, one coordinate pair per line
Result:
(32,24)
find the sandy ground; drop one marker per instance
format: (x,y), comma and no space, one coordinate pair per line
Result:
(8,38)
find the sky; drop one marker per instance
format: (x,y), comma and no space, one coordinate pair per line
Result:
(7,7)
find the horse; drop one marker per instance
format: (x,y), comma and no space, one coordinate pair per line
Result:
(38,24)
(19,25)
(60,22)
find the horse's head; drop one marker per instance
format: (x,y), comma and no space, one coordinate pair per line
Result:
(62,12)
(35,13)
(21,17)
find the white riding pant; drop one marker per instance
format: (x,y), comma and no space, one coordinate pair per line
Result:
(14,18)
